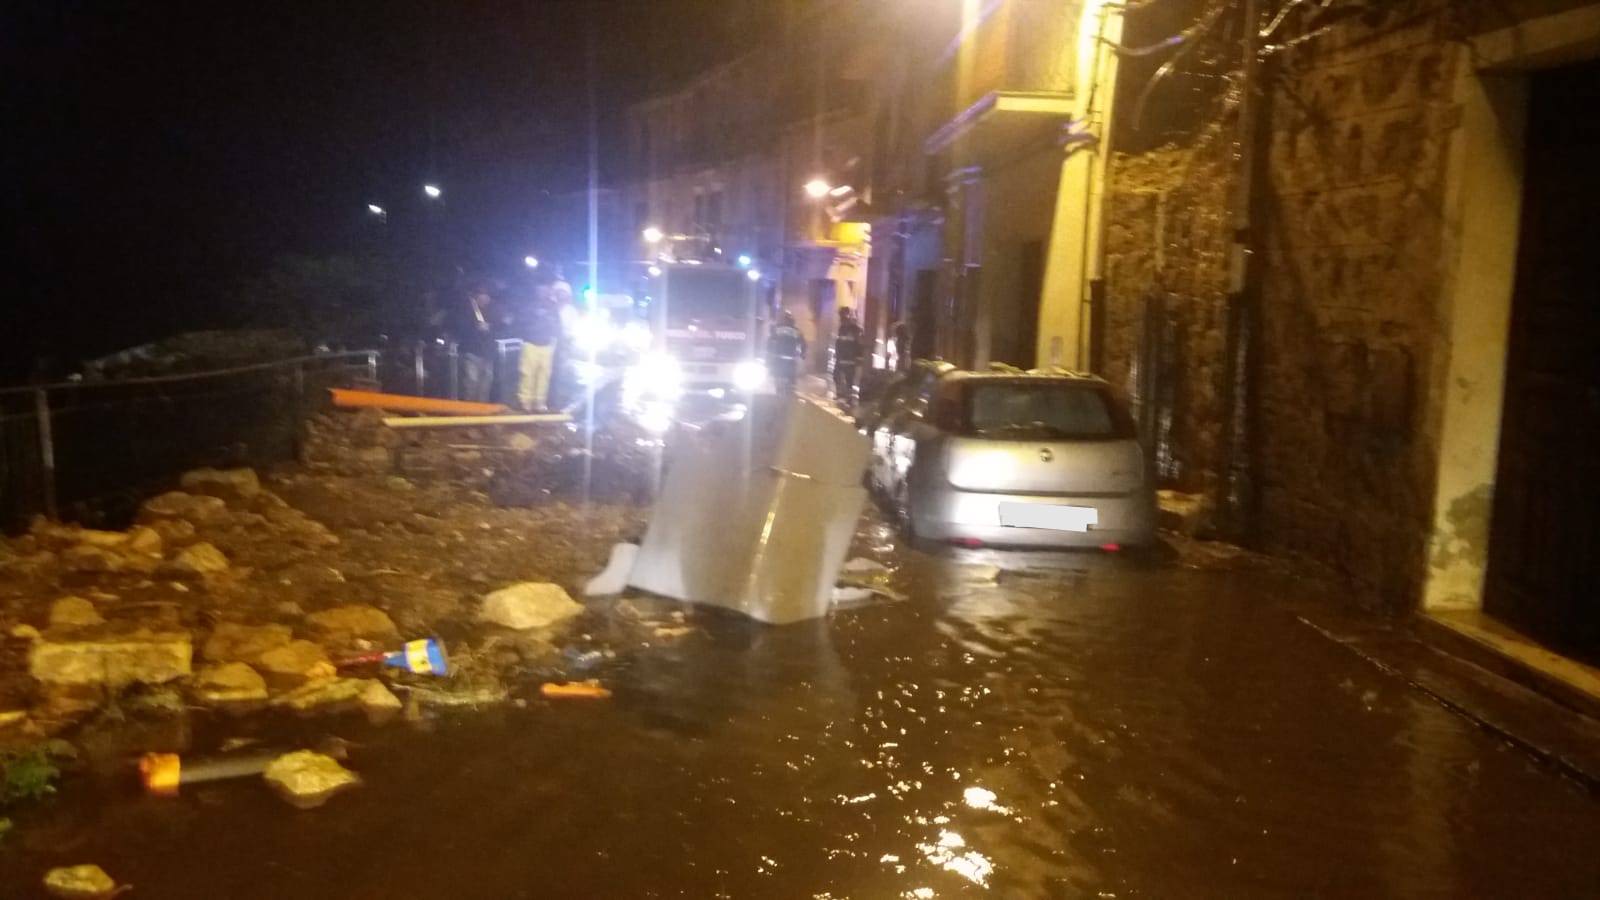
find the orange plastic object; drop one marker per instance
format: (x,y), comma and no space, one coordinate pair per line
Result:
(352,399)
(161,773)
(587,690)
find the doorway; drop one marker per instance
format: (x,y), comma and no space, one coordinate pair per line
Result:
(1544,540)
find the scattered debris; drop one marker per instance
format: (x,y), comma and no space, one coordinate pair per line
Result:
(74,612)
(233,686)
(237,642)
(454,696)
(227,484)
(307,779)
(325,696)
(164,773)
(379,703)
(672,631)
(195,509)
(861,565)
(86,882)
(588,689)
(347,625)
(200,559)
(113,659)
(25,632)
(613,579)
(296,663)
(529,605)
(974,573)
(425,656)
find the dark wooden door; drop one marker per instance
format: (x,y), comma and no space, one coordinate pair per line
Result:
(1544,545)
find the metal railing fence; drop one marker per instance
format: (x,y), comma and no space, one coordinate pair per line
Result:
(88,451)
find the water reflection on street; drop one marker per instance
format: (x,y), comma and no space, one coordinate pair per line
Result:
(1100,727)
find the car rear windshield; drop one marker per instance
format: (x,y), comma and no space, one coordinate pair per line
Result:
(1043,411)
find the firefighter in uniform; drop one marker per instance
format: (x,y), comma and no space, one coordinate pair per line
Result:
(786,347)
(846,357)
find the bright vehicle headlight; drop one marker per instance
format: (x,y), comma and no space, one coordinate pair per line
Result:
(657,375)
(636,336)
(591,334)
(587,372)
(749,375)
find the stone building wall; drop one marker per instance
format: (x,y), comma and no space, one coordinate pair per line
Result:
(1351,261)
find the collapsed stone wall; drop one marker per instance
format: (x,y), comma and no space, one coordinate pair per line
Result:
(1352,261)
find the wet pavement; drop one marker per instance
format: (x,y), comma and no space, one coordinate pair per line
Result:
(1082,726)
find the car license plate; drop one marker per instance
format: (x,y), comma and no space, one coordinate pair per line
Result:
(1054,518)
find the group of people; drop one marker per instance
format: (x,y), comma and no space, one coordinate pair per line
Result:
(786,349)
(477,320)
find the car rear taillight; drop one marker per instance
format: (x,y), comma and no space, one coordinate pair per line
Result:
(1111,548)
(971,543)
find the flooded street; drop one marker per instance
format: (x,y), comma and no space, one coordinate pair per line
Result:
(1101,727)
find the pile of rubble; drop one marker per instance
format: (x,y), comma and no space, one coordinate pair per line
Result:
(518,465)
(202,600)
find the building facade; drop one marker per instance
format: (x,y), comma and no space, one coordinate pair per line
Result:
(1396,384)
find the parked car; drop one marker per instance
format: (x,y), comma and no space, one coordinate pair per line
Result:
(1010,458)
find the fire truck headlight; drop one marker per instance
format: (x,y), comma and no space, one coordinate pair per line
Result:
(592,334)
(659,375)
(636,336)
(749,375)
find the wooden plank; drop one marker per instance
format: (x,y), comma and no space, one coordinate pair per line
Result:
(470,421)
(353,399)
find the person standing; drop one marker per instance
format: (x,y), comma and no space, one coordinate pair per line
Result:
(846,357)
(538,324)
(470,323)
(786,347)
(902,346)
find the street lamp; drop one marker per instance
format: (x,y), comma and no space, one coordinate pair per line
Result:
(376,210)
(655,271)
(531,262)
(817,188)
(753,274)
(432,190)
(652,235)
(745,260)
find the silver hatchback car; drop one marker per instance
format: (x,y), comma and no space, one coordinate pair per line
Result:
(1032,459)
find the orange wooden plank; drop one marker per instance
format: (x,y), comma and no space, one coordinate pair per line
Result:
(352,399)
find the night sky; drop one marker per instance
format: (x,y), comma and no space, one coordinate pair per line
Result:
(156,153)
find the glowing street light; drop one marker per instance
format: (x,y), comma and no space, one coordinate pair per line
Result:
(745,260)
(817,188)
(531,262)
(432,190)
(655,271)
(753,274)
(376,210)
(653,235)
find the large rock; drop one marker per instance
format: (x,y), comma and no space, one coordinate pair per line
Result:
(195,509)
(112,659)
(74,612)
(80,883)
(379,703)
(344,625)
(232,686)
(143,539)
(295,663)
(200,560)
(325,696)
(236,642)
(227,484)
(90,559)
(307,779)
(529,605)
(173,532)
(299,528)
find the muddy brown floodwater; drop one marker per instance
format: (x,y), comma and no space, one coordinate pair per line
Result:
(1082,727)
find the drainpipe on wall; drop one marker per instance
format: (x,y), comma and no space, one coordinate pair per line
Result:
(1238,485)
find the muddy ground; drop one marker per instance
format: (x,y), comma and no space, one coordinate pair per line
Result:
(1020,725)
